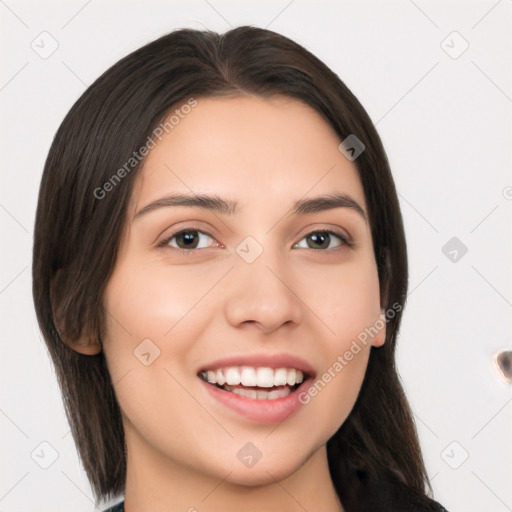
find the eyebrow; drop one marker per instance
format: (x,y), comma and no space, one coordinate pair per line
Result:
(217,204)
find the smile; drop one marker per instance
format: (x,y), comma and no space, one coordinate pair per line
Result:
(260,383)
(258,394)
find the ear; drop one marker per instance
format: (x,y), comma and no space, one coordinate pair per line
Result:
(385,269)
(86,343)
(379,339)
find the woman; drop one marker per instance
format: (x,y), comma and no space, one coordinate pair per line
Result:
(219,274)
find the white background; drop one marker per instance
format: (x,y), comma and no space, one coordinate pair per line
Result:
(446,126)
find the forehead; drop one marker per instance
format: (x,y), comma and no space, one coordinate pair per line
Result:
(250,148)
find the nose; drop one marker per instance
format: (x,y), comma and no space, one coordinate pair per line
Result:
(262,294)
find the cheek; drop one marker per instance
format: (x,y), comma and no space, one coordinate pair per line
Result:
(155,315)
(143,313)
(347,305)
(344,298)
(151,323)
(149,302)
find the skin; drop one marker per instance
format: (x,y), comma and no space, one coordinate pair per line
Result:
(312,302)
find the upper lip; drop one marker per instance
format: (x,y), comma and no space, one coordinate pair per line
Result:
(262,360)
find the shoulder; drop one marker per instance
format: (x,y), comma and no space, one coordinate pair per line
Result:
(396,496)
(118,507)
(366,492)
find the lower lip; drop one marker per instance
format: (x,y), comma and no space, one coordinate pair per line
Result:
(261,411)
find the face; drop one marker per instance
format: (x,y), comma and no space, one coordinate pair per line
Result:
(257,287)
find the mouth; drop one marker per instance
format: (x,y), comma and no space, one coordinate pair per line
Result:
(257,383)
(259,388)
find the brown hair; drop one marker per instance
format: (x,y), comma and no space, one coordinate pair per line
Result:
(77,234)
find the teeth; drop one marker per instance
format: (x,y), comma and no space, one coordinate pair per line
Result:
(261,394)
(254,377)
(280,377)
(219,378)
(291,378)
(248,376)
(233,376)
(265,377)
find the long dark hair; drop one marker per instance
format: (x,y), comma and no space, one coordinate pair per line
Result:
(77,234)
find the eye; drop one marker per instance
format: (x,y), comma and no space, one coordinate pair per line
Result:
(322,238)
(186,239)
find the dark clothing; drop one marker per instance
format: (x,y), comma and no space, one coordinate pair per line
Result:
(364,494)
(116,508)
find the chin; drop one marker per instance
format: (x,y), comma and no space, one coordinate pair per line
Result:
(264,475)
(265,471)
